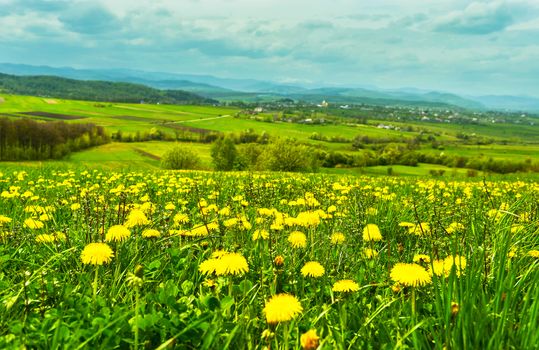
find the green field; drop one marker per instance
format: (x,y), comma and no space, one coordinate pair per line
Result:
(520,141)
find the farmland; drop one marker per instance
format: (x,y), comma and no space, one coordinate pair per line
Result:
(432,141)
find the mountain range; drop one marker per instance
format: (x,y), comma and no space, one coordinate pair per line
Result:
(251,90)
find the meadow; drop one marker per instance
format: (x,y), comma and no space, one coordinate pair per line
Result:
(509,142)
(106,259)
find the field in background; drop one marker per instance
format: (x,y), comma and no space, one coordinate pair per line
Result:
(521,141)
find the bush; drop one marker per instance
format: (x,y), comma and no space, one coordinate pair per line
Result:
(180,157)
(224,153)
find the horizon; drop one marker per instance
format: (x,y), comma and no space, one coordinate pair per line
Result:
(389,45)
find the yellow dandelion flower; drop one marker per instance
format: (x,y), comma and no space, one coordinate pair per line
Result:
(96,254)
(458,261)
(422,228)
(75,206)
(232,264)
(260,234)
(406,224)
(45,238)
(180,219)
(371,232)
(454,227)
(345,286)
(224,263)
(117,233)
(410,274)
(282,308)
(297,239)
(312,269)
(370,253)
(4,220)
(151,233)
(208,266)
(337,238)
(279,260)
(170,206)
(534,253)
(309,340)
(33,224)
(136,218)
(421,258)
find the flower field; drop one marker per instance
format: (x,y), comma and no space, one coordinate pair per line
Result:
(195,260)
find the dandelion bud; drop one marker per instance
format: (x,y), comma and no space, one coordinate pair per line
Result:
(279,260)
(309,340)
(455,307)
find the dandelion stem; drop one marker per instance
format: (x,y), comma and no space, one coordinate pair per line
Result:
(95,282)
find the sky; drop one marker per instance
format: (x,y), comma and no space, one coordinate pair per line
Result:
(466,47)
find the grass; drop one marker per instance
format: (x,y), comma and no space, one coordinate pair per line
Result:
(476,287)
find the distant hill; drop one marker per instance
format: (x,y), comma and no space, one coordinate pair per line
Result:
(50,86)
(251,90)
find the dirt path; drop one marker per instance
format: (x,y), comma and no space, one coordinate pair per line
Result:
(199,120)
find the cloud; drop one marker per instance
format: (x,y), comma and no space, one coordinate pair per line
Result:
(89,18)
(478,18)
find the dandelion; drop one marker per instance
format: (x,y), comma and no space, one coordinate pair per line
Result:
(421,229)
(309,340)
(534,253)
(136,218)
(282,308)
(117,233)
(297,239)
(232,264)
(75,206)
(151,233)
(421,258)
(96,254)
(180,219)
(312,269)
(279,260)
(260,234)
(454,227)
(4,220)
(458,261)
(45,238)
(33,224)
(371,232)
(345,286)
(208,266)
(410,274)
(370,253)
(224,263)
(337,238)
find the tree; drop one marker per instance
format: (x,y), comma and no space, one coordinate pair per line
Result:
(224,153)
(180,157)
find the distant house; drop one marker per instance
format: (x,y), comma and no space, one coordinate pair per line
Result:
(258,110)
(324,104)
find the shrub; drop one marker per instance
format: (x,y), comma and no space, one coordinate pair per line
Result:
(180,157)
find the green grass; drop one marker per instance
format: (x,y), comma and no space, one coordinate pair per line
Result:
(479,290)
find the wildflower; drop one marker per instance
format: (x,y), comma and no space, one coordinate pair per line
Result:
(232,264)
(279,260)
(209,283)
(410,274)
(420,229)
(75,206)
(260,234)
(458,261)
(4,220)
(170,206)
(345,286)
(454,227)
(298,239)
(454,308)
(421,258)
(208,266)
(136,218)
(371,232)
(224,263)
(312,269)
(337,238)
(309,340)
(45,238)
(534,253)
(180,219)
(151,233)
(117,233)
(406,224)
(96,254)
(370,253)
(282,308)
(33,224)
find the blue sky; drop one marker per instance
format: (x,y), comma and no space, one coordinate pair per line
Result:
(467,47)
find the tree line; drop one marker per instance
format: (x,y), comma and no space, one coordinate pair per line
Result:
(26,139)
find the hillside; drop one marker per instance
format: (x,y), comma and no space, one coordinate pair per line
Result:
(56,87)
